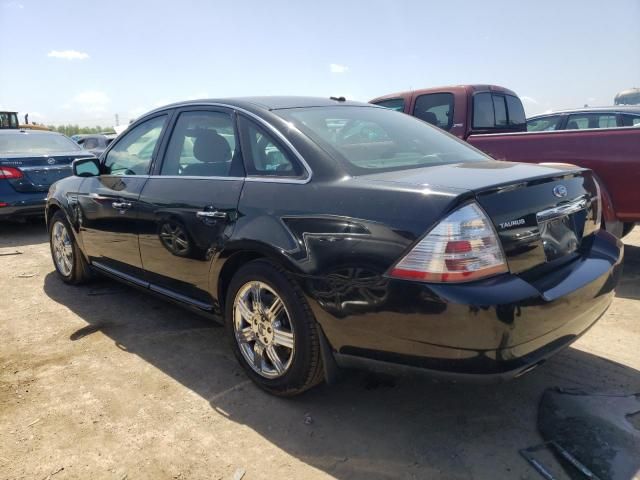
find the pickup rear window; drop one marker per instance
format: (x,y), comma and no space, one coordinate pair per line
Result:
(497,111)
(370,140)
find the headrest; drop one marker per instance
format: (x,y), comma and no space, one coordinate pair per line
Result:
(209,146)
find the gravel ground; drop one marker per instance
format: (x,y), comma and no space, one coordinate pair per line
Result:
(102,381)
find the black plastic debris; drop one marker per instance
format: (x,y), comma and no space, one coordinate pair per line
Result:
(601,432)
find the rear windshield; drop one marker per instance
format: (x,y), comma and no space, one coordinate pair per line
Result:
(38,143)
(369,139)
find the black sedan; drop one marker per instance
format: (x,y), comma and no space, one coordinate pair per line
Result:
(30,161)
(329,233)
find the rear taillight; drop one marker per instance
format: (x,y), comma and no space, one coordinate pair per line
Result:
(462,247)
(598,210)
(10,173)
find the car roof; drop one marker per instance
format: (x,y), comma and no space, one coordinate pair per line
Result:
(270,102)
(613,109)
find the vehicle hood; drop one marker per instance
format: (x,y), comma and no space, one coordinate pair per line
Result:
(472,176)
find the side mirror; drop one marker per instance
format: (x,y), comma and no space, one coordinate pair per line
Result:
(86,167)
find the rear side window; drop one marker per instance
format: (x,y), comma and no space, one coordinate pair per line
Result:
(264,155)
(516,110)
(396,104)
(544,124)
(436,109)
(591,120)
(497,111)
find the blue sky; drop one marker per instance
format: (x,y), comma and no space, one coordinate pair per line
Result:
(83,61)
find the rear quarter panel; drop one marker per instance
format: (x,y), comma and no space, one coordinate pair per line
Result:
(613,154)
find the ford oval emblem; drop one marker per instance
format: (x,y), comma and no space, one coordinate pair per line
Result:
(51,161)
(560,191)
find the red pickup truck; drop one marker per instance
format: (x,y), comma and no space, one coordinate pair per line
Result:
(492,119)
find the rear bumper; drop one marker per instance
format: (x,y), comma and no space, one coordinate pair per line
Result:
(488,330)
(23,205)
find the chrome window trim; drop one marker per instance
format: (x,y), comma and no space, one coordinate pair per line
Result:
(256,178)
(196,177)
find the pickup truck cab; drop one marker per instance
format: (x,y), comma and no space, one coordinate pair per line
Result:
(492,119)
(8,120)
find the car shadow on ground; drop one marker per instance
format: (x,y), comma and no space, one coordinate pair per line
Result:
(629,286)
(19,234)
(364,427)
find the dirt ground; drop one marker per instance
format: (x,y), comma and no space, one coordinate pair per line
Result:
(104,382)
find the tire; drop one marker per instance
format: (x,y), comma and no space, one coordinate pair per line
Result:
(627,228)
(73,269)
(263,333)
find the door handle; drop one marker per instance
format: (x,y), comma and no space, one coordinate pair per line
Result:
(212,214)
(121,205)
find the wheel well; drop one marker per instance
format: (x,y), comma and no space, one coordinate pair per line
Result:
(230,267)
(51,211)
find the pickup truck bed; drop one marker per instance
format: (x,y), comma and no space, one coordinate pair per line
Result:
(613,154)
(491,118)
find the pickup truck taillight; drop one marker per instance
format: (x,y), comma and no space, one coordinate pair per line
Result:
(10,173)
(461,248)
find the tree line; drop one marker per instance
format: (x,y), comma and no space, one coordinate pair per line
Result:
(69,130)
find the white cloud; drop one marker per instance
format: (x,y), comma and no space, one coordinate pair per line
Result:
(68,54)
(337,68)
(13,4)
(92,100)
(530,100)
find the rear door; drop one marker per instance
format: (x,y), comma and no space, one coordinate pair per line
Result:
(188,207)
(109,203)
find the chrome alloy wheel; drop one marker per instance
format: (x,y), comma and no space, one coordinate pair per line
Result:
(62,248)
(263,329)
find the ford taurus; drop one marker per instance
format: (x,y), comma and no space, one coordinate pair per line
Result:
(330,233)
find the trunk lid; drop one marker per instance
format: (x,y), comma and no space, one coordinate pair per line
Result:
(541,213)
(40,171)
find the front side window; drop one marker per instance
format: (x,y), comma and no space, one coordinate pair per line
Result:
(133,153)
(369,140)
(544,124)
(90,143)
(436,109)
(396,104)
(202,144)
(265,156)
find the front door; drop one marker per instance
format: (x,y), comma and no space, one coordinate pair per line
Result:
(188,208)
(109,203)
